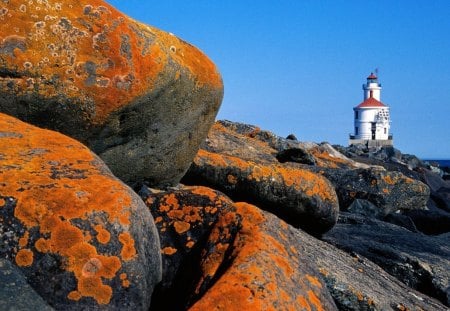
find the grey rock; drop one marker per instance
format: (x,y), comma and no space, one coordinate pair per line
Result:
(15,293)
(419,261)
(388,191)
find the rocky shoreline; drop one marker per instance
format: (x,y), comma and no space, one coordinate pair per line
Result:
(119,192)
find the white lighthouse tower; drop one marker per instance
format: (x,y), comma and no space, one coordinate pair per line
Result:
(371,117)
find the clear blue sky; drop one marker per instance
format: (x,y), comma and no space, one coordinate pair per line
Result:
(298,66)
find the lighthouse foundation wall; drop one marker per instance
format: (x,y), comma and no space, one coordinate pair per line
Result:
(371,142)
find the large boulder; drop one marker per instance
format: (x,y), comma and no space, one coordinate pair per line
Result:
(139,97)
(421,262)
(81,238)
(300,197)
(221,255)
(185,219)
(265,269)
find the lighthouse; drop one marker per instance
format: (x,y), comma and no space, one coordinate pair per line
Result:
(371,117)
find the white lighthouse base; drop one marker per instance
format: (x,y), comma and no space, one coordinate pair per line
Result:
(371,142)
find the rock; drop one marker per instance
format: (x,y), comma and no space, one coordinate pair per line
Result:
(412,161)
(15,293)
(432,221)
(257,144)
(365,208)
(266,269)
(419,261)
(296,155)
(222,255)
(186,218)
(291,137)
(358,284)
(401,221)
(81,238)
(388,191)
(302,198)
(440,189)
(139,97)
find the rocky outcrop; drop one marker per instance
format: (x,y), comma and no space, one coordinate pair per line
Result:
(302,198)
(421,262)
(190,221)
(388,191)
(81,238)
(269,270)
(218,255)
(139,97)
(356,283)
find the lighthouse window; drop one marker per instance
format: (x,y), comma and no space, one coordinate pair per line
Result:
(385,130)
(356,130)
(356,114)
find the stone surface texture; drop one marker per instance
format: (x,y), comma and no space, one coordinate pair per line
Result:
(139,97)
(419,261)
(247,170)
(81,238)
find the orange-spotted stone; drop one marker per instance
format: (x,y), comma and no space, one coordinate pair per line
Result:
(191,220)
(265,268)
(139,97)
(70,226)
(302,198)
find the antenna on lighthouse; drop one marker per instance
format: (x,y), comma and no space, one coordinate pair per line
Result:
(376,72)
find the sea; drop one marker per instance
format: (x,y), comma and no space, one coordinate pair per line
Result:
(442,163)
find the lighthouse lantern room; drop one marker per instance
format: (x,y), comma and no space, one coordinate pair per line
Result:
(371,117)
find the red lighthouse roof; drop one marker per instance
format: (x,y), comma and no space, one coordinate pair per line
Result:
(370,102)
(372,76)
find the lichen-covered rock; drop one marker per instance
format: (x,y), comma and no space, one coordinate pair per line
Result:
(139,97)
(250,142)
(388,191)
(186,218)
(302,198)
(220,255)
(266,269)
(82,238)
(421,262)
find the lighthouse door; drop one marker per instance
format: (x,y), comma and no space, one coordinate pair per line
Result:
(374,128)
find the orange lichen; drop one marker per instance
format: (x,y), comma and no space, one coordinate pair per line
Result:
(314,281)
(181,226)
(2,202)
(303,303)
(93,287)
(325,159)
(128,250)
(169,250)
(260,276)
(310,183)
(59,198)
(103,236)
(74,295)
(24,258)
(98,55)
(314,300)
(190,244)
(23,241)
(125,281)
(388,179)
